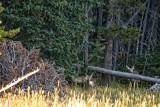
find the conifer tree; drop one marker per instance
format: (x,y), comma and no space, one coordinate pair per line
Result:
(3,33)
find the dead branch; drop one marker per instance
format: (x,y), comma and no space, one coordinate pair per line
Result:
(19,80)
(134,15)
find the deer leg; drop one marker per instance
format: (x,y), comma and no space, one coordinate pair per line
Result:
(76,83)
(134,84)
(130,84)
(137,84)
(84,85)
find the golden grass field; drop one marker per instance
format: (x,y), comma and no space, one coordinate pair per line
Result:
(115,96)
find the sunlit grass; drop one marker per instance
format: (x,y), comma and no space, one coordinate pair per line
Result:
(115,96)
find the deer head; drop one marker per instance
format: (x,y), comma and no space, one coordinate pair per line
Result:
(89,77)
(130,69)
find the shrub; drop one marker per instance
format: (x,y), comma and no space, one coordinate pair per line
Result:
(17,61)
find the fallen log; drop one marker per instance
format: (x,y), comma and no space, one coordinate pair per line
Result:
(121,74)
(155,87)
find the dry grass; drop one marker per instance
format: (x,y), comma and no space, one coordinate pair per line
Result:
(116,96)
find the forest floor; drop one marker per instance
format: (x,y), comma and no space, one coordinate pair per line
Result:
(115,96)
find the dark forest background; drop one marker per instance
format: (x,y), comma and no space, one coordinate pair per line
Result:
(104,33)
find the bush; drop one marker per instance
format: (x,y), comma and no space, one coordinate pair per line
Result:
(17,61)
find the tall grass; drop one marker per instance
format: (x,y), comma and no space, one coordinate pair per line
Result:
(115,96)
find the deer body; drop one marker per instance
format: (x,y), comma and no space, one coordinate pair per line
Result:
(81,79)
(135,81)
(86,80)
(92,82)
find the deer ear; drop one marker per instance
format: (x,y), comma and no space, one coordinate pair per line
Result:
(91,75)
(127,67)
(86,75)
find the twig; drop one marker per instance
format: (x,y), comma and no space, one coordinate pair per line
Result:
(19,80)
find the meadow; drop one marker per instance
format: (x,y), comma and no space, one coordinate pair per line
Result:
(115,96)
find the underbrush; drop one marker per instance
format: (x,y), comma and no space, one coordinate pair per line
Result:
(115,96)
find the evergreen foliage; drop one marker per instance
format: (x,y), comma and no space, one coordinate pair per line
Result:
(56,27)
(3,33)
(149,62)
(119,33)
(60,28)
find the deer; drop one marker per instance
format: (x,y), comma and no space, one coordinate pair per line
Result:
(86,80)
(135,81)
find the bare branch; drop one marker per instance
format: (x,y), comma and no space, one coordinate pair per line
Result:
(19,80)
(135,14)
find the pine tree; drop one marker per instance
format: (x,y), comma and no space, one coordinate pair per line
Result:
(3,33)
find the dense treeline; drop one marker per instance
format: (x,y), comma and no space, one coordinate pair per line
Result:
(56,27)
(108,33)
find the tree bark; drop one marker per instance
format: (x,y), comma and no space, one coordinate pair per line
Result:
(134,51)
(100,15)
(128,50)
(105,79)
(115,52)
(138,41)
(144,28)
(154,25)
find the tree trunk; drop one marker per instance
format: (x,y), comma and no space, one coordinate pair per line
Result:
(144,28)
(100,15)
(128,50)
(115,52)
(86,54)
(89,15)
(153,28)
(134,51)
(105,79)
